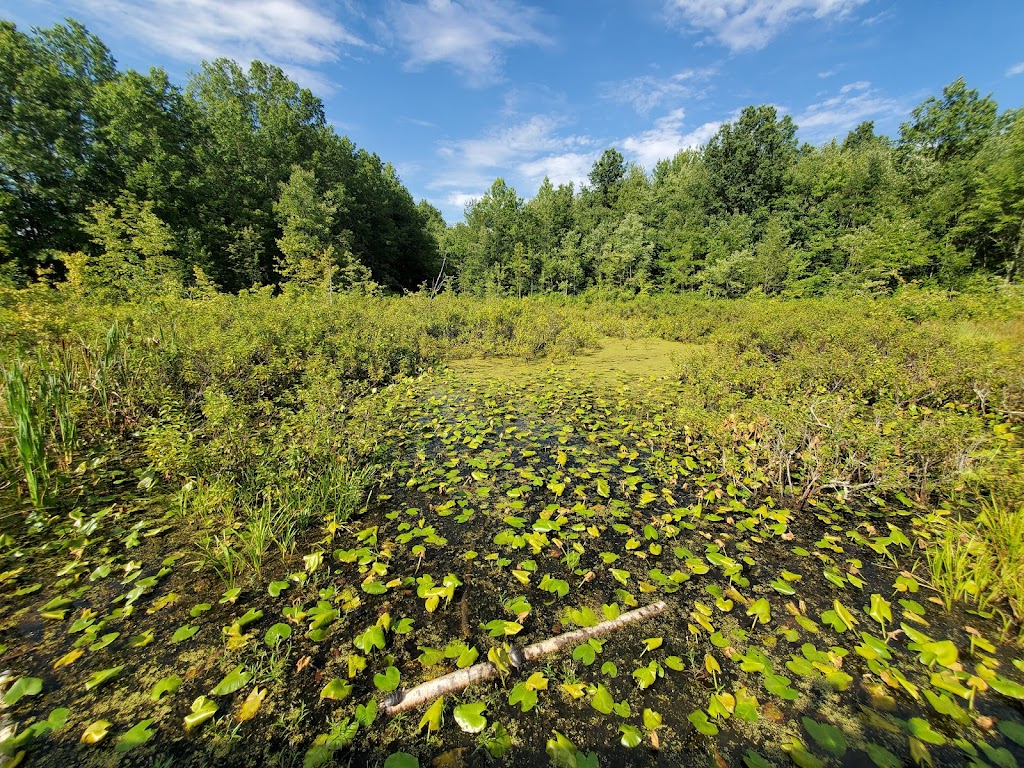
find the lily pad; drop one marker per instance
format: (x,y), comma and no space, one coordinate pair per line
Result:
(470,717)
(23,686)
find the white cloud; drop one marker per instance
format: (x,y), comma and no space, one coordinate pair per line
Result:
(666,139)
(461,199)
(855,103)
(292,34)
(743,24)
(470,35)
(567,168)
(1016,69)
(521,152)
(646,92)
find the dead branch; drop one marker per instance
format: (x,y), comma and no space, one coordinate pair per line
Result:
(478,673)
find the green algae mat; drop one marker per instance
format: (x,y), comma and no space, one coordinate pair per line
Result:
(517,502)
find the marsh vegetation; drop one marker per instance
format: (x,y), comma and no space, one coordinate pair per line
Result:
(235,524)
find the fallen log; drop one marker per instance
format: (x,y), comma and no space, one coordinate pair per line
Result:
(400,701)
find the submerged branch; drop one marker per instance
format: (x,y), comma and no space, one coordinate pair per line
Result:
(462,678)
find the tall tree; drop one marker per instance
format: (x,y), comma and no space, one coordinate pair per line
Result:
(996,219)
(748,161)
(953,127)
(258,124)
(50,169)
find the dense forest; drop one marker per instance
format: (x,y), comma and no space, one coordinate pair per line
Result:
(127,182)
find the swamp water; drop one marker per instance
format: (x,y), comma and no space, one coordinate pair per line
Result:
(517,502)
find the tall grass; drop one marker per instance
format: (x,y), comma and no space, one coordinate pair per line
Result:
(26,408)
(980,561)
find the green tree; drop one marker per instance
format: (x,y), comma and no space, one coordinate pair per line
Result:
(606,177)
(257,125)
(50,169)
(135,251)
(748,161)
(996,219)
(306,220)
(954,127)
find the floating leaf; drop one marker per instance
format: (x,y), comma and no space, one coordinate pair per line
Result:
(233,681)
(104,641)
(389,680)
(336,690)
(135,736)
(169,685)
(652,720)
(202,710)
(1012,730)
(1007,687)
(23,686)
(584,654)
(602,700)
(827,736)
(760,610)
(68,658)
(651,644)
(631,735)
(99,678)
(276,633)
(251,705)
(882,757)
(922,730)
(699,720)
(401,760)
(470,717)
(183,633)
(432,718)
(96,732)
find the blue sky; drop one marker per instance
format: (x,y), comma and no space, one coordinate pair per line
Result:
(458,92)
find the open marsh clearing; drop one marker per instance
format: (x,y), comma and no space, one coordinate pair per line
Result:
(516,502)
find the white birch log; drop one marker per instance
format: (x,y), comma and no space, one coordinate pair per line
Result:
(478,673)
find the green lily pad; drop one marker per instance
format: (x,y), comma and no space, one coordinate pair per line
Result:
(827,736)
(631,735)
(700,721)
(233,681)
(202,710)
(23,686)
(181,634)
(277,632)
(469,717)
(389,680)
(135,736)
(401,760)
(337,689)
(169,685)
(104,675)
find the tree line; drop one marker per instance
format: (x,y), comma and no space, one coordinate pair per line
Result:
(753,210)
(129,183)
(124,183)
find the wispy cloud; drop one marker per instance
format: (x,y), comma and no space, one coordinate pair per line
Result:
(1016,69)
(471,35)
(855,103)
(566,168)
(461,199)
(522,152)
(646,92)
(666,139)
(293,34)
(751,24)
